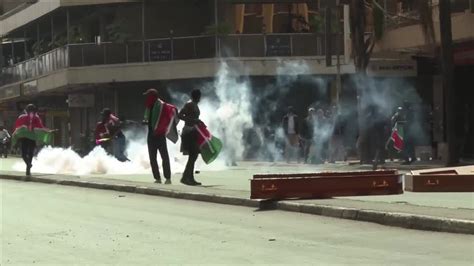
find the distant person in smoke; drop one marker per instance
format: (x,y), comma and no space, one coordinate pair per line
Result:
(336,146)
(231,157)
(320,137)
(409,138)
(4,141)
(377,124)
(189,146)
(29,130)
(290,126)
(401,137)
(109,135)
(307,134)
(161,120)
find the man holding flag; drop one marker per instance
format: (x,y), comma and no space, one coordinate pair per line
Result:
(29,129)
(161,118)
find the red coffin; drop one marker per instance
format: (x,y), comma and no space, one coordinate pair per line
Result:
(325,185)
(439,181)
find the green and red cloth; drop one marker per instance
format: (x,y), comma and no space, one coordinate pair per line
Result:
(209,145)
(397,137)
(31,127)
(163,117)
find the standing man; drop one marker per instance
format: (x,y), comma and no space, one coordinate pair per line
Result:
(291,130)
(29,129)
(378,124)
(161,119)
(307,134)
(410,156)
(4,140)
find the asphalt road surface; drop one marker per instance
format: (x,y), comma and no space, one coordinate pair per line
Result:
(51,224)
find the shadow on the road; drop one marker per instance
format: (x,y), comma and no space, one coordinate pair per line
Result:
(267,205)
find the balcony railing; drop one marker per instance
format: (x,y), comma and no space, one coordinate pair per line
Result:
(168,49)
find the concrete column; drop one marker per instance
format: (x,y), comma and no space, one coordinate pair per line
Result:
(268,12)
(239,18)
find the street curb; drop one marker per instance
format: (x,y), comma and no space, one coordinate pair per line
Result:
(404,220)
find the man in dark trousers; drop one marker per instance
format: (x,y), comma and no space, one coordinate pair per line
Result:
(161,119)
(409,138)
(378,127)
(29,130)
(291,129)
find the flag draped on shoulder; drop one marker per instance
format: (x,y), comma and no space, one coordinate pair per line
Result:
(31,127)
(164,119)
(209,145)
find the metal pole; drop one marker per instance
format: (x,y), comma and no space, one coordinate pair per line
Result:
(37,32)
(67,25)
(338,77)
(328,36)
(172,45)
(238,43)
(126,53)
(82,55)
(143,30)
(149,58)
(13,52)
(52,28)
(291,44)
(264,44)
(216,23)
(1,54)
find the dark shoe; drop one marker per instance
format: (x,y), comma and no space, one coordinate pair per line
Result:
(28,171)
(186,181)
(158,181)
(190,182)
(168,181)
(195,183)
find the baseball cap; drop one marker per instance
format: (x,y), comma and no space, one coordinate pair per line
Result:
(151,91)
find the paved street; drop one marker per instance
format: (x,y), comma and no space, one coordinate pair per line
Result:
(46,224)
(237,179)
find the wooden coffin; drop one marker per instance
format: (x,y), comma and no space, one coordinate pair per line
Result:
(441,180)
(325,185)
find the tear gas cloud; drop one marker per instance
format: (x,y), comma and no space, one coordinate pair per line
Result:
(232,107)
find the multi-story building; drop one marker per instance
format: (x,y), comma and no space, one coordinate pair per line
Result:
(74,57)
(404,35)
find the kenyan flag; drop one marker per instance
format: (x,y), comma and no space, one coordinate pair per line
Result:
(31,128)
(163,118)
(209,145)
(397,137)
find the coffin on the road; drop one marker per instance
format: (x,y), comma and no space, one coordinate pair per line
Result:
(456,179)
(325,184)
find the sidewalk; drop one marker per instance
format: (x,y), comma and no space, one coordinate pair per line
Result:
(446,212)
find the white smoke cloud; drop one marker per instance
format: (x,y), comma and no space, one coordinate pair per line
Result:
(229,108)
